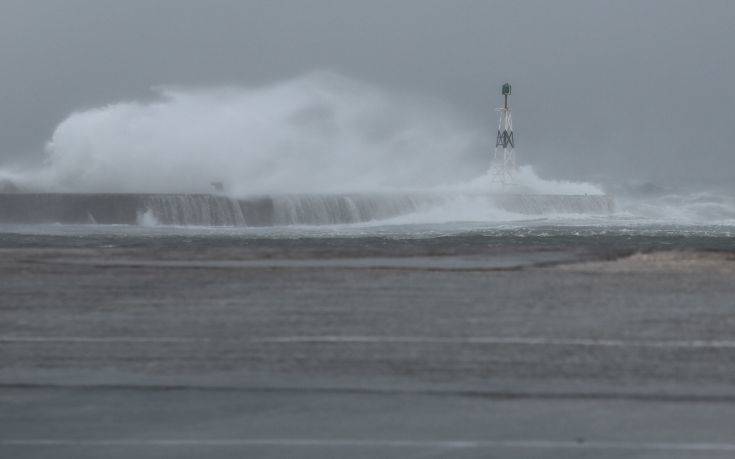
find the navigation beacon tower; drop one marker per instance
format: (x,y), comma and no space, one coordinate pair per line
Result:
(504,159)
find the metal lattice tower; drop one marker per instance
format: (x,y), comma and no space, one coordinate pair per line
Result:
(504,159)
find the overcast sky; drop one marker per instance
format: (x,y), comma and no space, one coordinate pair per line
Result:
(639,89)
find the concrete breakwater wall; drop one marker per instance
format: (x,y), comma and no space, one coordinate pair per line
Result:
(266,210)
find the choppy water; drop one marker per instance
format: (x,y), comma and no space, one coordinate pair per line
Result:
(394,239)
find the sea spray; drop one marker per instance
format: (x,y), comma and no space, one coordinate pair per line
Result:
(308,146)
(318,133)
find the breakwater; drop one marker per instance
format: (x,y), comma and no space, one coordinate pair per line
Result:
(266,210)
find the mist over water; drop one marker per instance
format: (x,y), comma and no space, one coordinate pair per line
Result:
(321,133)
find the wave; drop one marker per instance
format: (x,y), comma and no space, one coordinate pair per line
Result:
(318,133)
(319,149)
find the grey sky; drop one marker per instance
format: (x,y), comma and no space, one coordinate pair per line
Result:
(639,89)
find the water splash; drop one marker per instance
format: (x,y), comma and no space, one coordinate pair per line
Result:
(310,145)
(318,133)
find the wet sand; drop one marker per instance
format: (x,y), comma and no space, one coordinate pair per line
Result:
(240,352)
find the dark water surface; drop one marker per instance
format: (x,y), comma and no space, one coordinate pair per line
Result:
(396,240)
(452,340)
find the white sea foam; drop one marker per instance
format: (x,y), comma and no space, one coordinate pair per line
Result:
(527,181)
